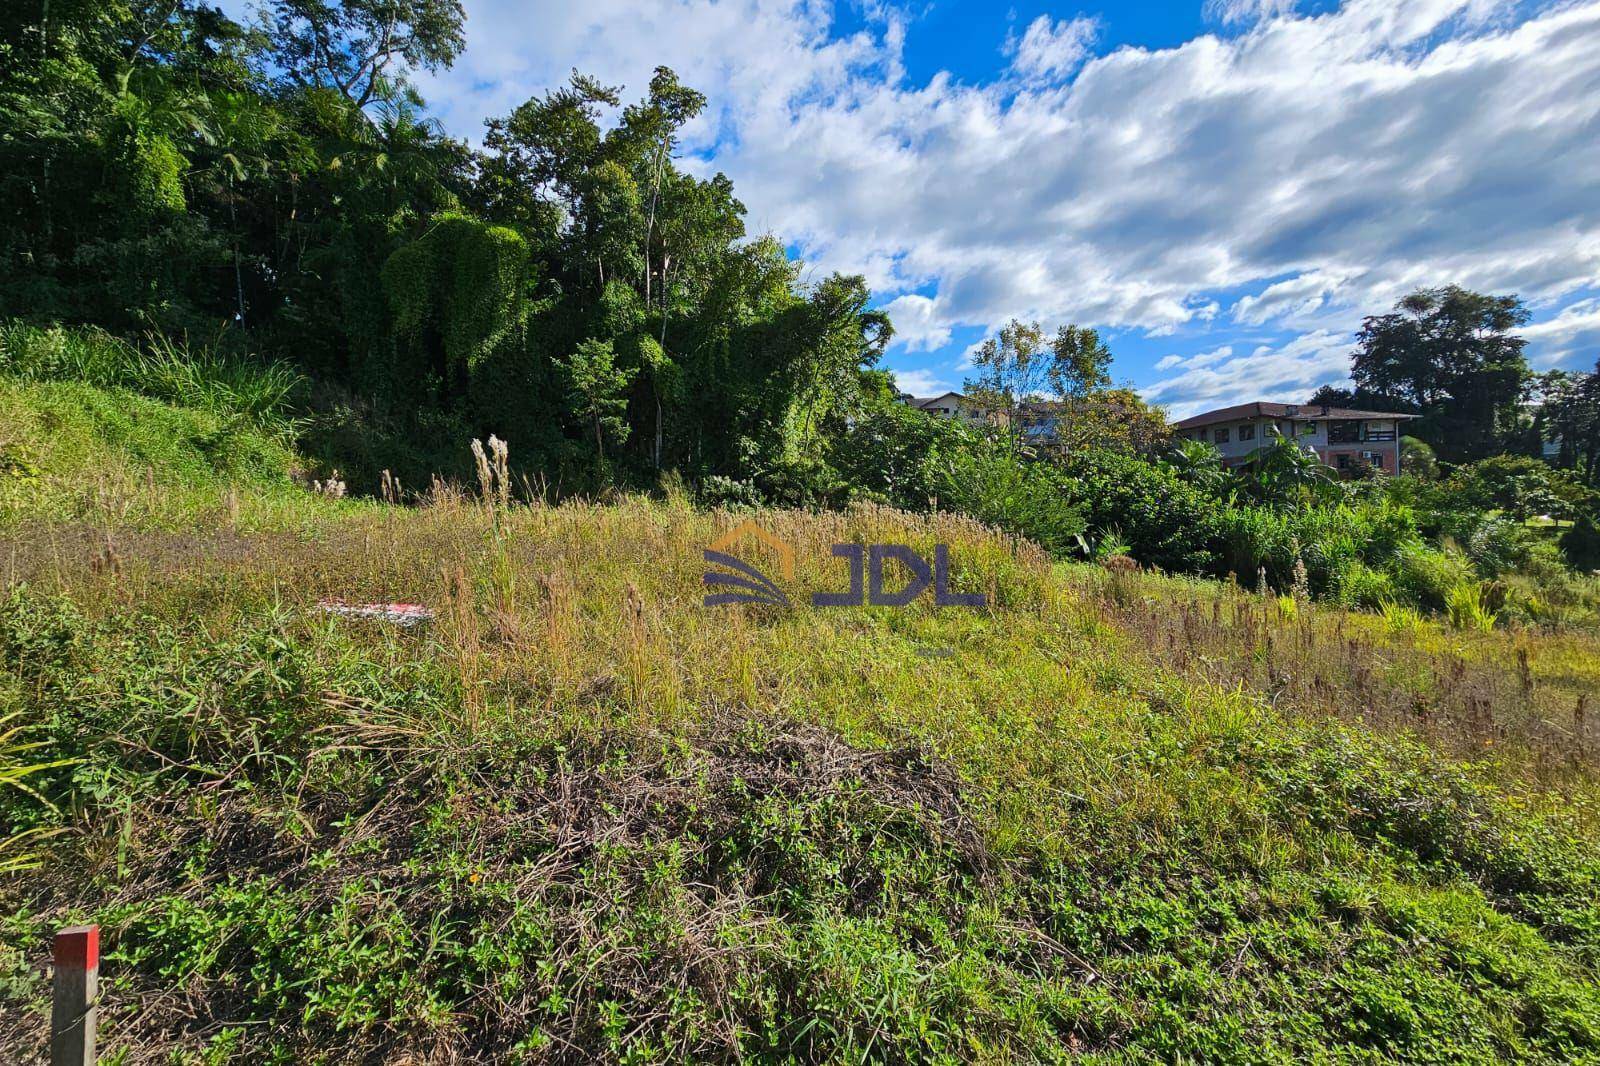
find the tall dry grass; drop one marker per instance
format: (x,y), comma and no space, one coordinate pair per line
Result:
(695,815)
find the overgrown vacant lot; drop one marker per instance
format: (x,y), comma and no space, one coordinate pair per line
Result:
(579,815)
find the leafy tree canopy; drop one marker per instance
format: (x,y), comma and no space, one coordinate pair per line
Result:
(1452,354)
(359,48)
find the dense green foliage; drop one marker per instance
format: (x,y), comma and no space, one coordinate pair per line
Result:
(1163,521)
(168,170)
(1569,416)
(1286,521)
(1450,354)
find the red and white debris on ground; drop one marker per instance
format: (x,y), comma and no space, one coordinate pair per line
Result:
(401,614)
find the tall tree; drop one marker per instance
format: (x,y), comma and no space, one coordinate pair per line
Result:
(1114,420)
(1081,364)
(1569,417)
(1018,369)
(361,49)
(1015,367)
(1356,399)
(841,336)
(597,385)
(1453,354)
(1079,372)
(650,131)
(543,152)
(165,168)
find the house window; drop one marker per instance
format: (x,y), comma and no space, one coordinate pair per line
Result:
(1344,460)
(1222,434)
(1199,434)
(1247,432)
(1308,430)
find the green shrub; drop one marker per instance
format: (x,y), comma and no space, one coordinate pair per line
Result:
(1166,522)
(1426,576)
(1012,494)
(1386,529)
(1525,602)
(899,454)
(1581,544)
(1466,604)
(1494,544)
(1330,542)
(1400,618)
(1365,588)
(1249,539)
(1520,486)
(1417,458)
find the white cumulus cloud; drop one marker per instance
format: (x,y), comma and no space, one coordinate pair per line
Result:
(1230,12)
(1286,373)
(1571,339)
(916,324)
(921,382)
(1195,362)
(1052,48)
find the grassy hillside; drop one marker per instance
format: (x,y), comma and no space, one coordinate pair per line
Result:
(71,451)
(578,815)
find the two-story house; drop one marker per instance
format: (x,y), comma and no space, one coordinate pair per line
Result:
(1340,437)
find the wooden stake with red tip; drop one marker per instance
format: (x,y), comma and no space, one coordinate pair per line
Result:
(75,988)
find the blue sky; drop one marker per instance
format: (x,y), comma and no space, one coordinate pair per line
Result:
(1224,188)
